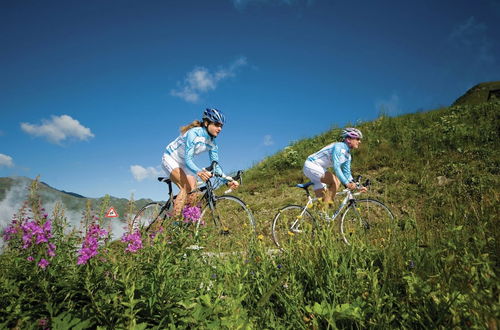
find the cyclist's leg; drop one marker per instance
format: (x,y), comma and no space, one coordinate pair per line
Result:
(182,178)
(186,183)
(315,173)
(332,184)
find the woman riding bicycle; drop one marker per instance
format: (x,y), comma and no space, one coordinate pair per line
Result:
(338,156)
(177,160)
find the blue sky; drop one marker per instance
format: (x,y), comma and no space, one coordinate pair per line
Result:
(92,91)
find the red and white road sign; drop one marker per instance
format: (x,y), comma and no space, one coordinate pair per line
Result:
(111,213)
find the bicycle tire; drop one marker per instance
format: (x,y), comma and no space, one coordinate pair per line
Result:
(229,227)
(150,216)
(368,220)
(293,225)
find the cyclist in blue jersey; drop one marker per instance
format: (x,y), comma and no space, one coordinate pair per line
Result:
(338,156)
(177,160)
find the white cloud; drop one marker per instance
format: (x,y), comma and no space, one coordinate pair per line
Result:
(471,39)
(58,129)
(200,80)
(6,161)
(467,31)
(140,173)
(390,106)
(268,140)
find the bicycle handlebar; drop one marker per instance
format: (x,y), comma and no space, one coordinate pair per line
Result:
(236,177)
(358,182)
(211,169)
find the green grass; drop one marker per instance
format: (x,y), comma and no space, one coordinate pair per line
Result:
(437,170)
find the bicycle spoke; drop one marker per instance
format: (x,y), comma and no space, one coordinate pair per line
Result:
(228,228)
(149,219)
(292,226)
(368,221)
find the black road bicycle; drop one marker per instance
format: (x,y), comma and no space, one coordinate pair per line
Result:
(226,223)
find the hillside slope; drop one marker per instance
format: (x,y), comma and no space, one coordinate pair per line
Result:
(480,93)
(433,168)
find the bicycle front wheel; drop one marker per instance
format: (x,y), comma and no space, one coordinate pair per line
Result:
(150,217)
(368,220)
(293,225)
(228,226)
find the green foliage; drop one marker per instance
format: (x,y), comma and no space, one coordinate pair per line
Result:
(438,171)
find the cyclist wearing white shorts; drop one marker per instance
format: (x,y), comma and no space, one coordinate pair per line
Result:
(338,156)
(177,160)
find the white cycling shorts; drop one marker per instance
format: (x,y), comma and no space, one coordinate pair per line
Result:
(314,172)
(169,164)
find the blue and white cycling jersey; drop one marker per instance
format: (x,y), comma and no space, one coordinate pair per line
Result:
(195,141)
(338,156)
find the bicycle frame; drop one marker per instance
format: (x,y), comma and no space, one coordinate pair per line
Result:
(208,190)
(348,200)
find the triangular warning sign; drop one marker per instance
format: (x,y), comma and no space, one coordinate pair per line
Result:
(112,213)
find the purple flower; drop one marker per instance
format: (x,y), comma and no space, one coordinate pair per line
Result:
(10,232)
(31,230)
(134,241)
(43,323)
(91,243)
(51,250)
(30,258)
(192,214)
(43,263)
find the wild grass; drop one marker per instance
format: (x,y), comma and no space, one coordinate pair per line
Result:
(438,171)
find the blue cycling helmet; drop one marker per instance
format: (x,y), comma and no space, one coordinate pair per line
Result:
(214,115)
(352,132)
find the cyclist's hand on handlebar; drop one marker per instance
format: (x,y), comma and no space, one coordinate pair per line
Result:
(351,186)
(362,189)
(204,175)
(233,184)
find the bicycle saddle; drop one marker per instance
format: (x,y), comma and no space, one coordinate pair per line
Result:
(164,179)
(304,185)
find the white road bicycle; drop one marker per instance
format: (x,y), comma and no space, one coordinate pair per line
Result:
(361,219)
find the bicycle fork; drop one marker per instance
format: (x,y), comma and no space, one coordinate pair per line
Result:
(358,216)
(294,227)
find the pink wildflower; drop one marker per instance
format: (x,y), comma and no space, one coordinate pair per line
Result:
(91,243)
(43,263)
(134,241)
(10,232)
(192,214)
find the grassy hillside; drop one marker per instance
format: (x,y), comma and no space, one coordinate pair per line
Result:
(423,165)
(437,170)
(483,92)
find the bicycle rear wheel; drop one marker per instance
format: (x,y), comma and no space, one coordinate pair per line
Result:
(368,220)
(228,227)
(150,217)
(293,225)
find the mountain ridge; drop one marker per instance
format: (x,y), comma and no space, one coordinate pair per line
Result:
(71,201)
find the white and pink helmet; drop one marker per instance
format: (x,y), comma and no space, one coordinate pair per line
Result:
(351,132)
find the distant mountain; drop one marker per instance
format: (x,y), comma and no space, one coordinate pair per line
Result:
(63,191)
(16,189)
(480,93)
